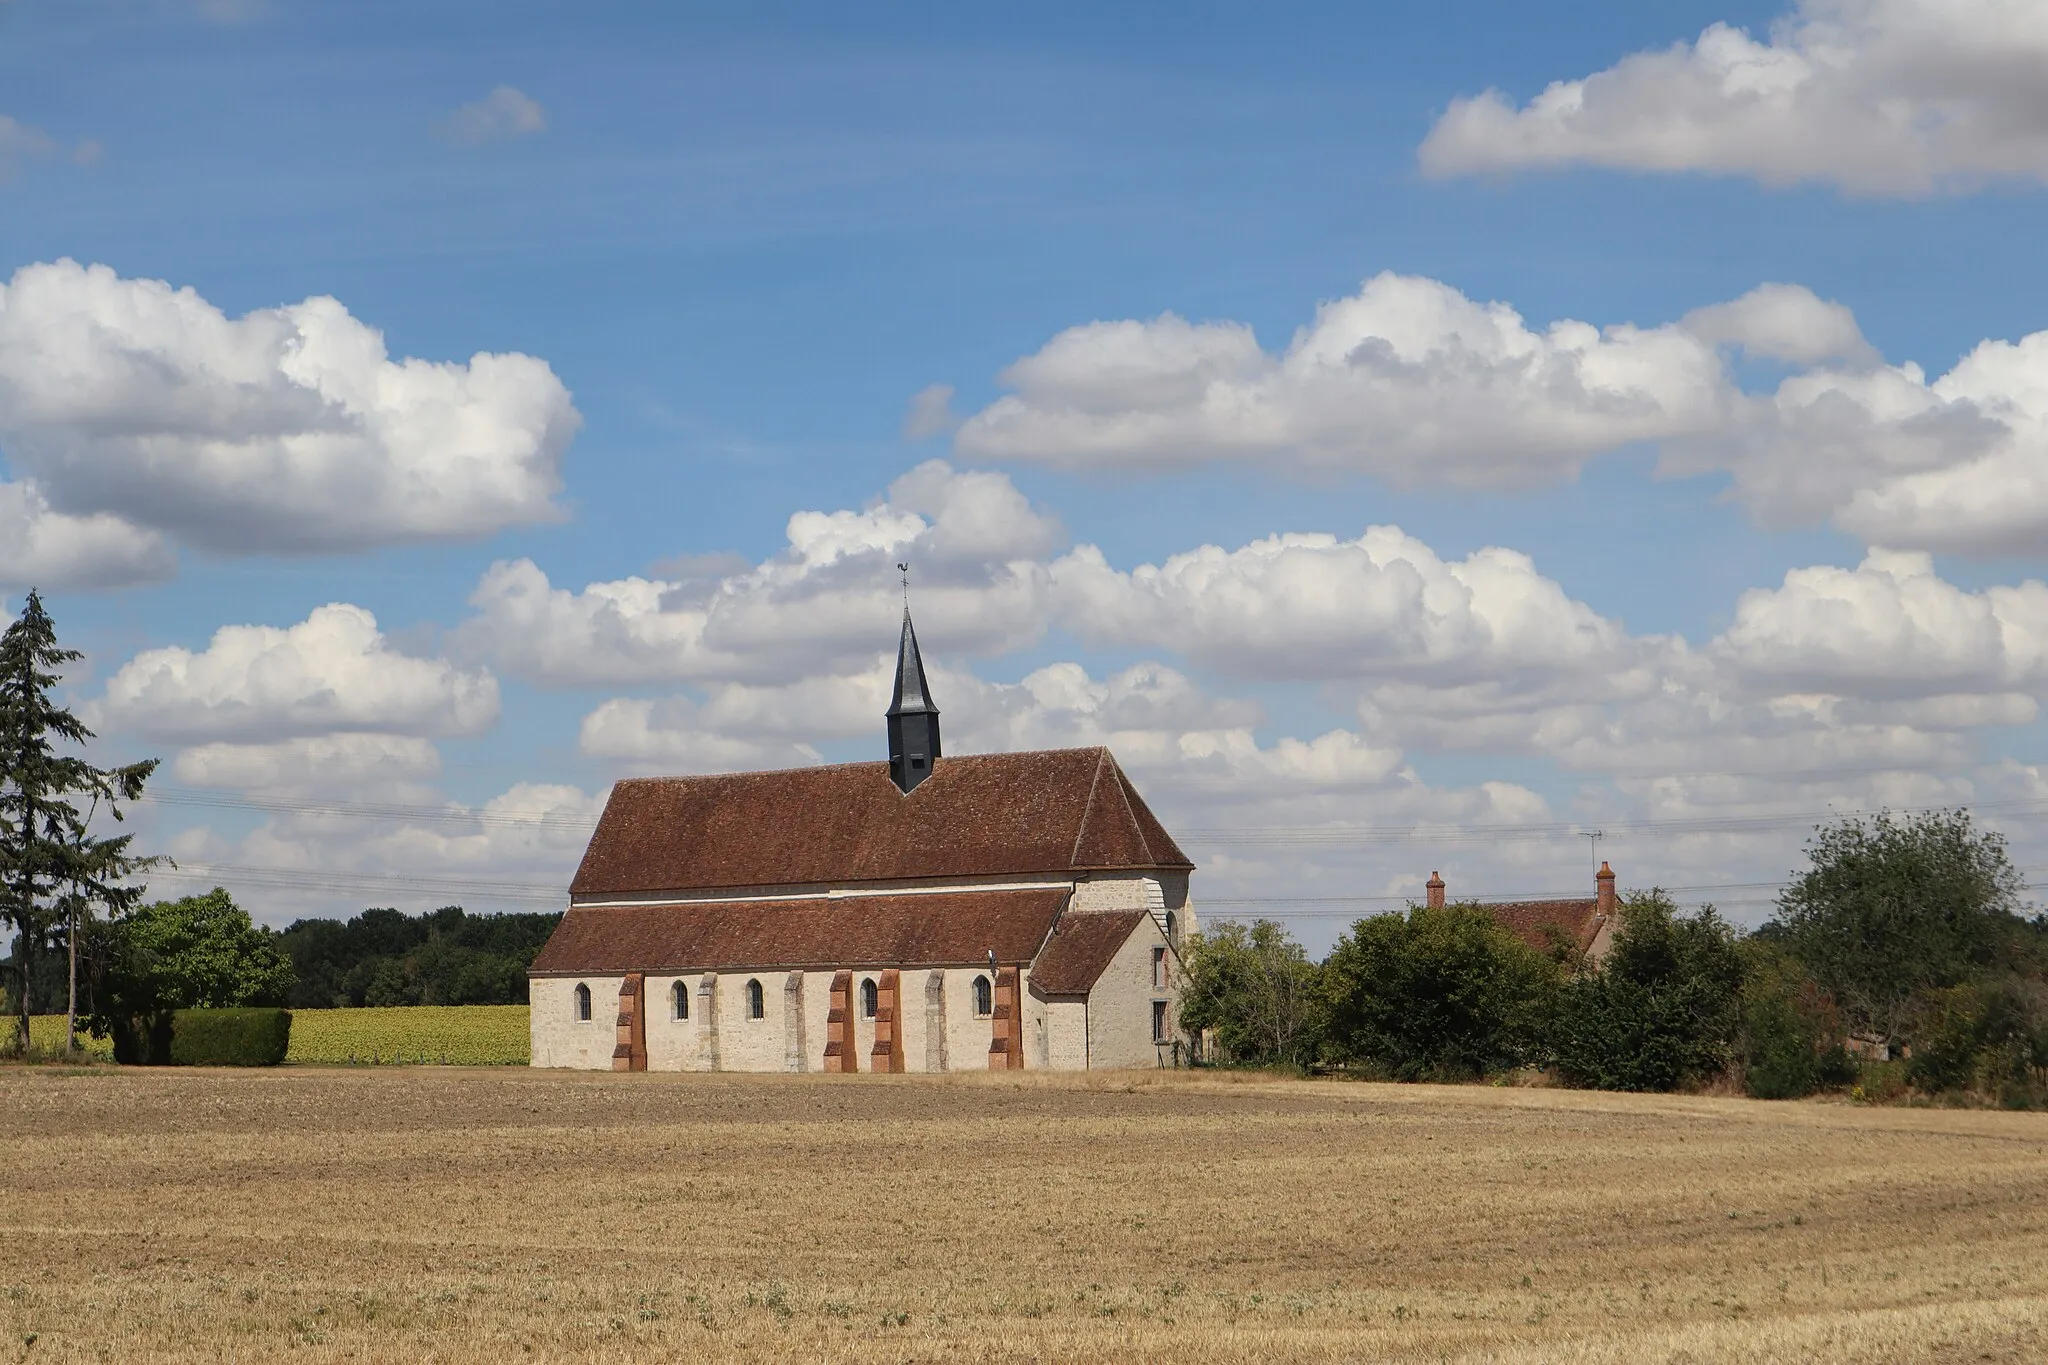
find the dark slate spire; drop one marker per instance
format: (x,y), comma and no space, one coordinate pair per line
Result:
(913,720)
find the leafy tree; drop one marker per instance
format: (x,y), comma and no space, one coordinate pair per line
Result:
(1436,994)
(198,952)
(1661,1010)
(53,871)
(1896,906)
(1256,988)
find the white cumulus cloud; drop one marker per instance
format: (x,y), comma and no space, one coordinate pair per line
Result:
(1408,379)
(1889,628)
(332,672)
(1880,97)
(47,549)
(287,430)
(351,763)
(1957,464)
(1787,322)
(976,545)
(1313,606)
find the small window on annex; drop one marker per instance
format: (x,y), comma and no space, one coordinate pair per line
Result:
(757,1004)
(1158,1021)
(984,998)
(680,993)
(1158,968)
(869,999)
(582,1003)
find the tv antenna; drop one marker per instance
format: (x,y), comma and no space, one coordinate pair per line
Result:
(1593,838)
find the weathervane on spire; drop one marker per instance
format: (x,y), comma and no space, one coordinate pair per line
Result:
(905,570)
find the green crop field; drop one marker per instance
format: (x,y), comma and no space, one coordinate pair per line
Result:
(46,1035)
(455,1035)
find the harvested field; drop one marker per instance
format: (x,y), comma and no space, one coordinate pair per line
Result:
(436,1214)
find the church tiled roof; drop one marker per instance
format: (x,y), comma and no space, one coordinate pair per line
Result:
(934,929)
(1050,811)
(1080,948)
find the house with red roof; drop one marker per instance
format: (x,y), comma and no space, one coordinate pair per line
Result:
(928,913)
(1582,926)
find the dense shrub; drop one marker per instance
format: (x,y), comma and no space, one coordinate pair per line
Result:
(1435,994)
(1661,1010)
(230,1037)
(1990,1037)
(1792,1039)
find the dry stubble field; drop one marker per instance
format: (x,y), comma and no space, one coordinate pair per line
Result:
(457,1215)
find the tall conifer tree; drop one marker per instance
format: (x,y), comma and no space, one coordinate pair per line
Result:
(52,869)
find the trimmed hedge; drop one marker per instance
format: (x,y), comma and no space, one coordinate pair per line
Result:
(223,1037)
(230,1037)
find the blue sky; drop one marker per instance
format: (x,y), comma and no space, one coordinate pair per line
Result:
(743,241)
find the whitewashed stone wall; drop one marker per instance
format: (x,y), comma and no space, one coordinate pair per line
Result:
(744,1042)
(1118,891)
(1066,1034)
(1120,1006)
(558,1038)
(967,1033)
(674,1044)
(720,1035)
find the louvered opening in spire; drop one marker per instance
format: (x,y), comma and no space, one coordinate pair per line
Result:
(913,719)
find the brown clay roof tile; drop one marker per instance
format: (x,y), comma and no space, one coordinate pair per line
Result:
(1080,948)
(976,815)
(1533,921)
(936,929)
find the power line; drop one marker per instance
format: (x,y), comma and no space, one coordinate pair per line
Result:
(313,879)
(450,813)
(1212,836)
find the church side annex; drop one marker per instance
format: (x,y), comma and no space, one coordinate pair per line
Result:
(925,914)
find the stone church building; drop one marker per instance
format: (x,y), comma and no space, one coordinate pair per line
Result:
(923,914)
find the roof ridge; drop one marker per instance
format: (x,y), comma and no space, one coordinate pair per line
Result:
(1087,810)
(1123,793)
(858,763)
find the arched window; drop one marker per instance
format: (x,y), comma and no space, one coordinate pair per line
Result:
(869,1000)
(984,998)
(1172,924)
(681,994)
(757,1004)
(582,1003)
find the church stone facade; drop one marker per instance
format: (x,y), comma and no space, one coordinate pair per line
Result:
(924,914)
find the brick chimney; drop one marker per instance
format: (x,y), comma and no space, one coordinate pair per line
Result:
(1436,891)
(1604,891)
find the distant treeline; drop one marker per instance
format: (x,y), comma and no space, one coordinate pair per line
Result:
(386,957)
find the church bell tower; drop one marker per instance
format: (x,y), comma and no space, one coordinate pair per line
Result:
(913,720)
